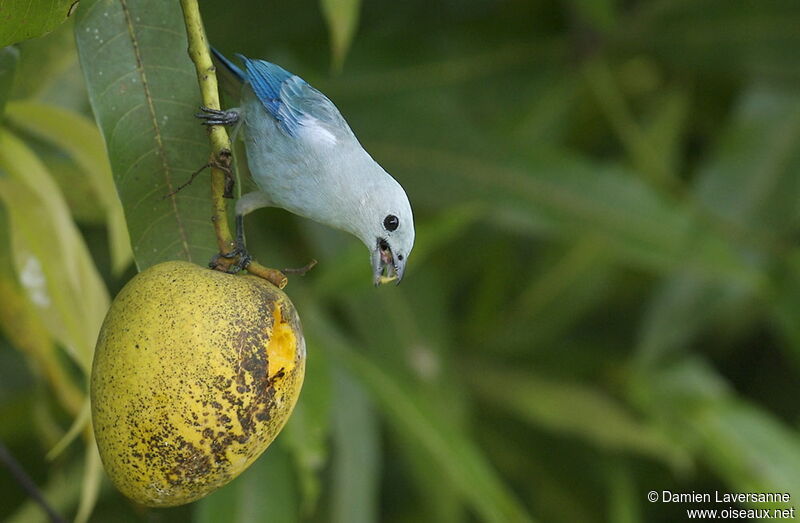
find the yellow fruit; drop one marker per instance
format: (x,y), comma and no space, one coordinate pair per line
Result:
(195,373)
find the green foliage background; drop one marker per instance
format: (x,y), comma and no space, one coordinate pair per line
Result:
(604,298)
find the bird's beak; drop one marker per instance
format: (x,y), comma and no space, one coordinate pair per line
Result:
(385,265)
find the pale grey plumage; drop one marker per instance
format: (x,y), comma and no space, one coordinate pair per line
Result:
(305,158)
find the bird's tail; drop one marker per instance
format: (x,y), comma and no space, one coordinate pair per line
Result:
(231,77)
(230,66)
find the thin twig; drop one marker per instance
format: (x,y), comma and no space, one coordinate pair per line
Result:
(27,484)
(301,270)
(188,182)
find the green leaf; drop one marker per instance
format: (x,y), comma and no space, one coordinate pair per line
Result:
(61,491)
(50,255)
(44,62)
(555,296)
(9,56)
(624,496)
(356,463)
(143,91)
(22,327)
(679,308)
(574,409)
(24,19)
(78,424)
(306,432)
(638,226)
(6,259)
(753,38)
(642,152)
(80,138)
(750,449)
(433,236)
(746,446)
(342,19)
(750,183)
(787,301)
(545,118)
(666,126)
(76,187)
(751,180)
(92,479)
(461,462)
(427,75)
(265,491)
(599,14)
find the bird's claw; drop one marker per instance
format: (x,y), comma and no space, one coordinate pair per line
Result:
(239,253)
(217,117)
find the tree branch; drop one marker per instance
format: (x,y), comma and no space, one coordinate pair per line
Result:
(218,136)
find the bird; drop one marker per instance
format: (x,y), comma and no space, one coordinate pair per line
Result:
(305,158)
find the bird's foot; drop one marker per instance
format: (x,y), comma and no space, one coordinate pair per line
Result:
(217,117)
(238,258)
(232,261)
(239,253)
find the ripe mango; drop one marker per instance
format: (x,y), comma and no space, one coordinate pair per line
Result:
(195,373)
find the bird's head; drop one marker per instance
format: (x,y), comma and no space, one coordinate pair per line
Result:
(387,230)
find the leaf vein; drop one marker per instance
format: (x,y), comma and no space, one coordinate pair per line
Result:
(135,163)
(144,234)
(156,129)
(163,29)
(127,113)
(170,68)
(105,43)
(115,82)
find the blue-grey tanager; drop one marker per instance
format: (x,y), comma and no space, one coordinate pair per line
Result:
(305,158)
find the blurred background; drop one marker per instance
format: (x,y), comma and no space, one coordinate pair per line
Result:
(604,297)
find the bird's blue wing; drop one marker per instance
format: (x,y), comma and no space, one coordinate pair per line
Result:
(266,79)
(294,104)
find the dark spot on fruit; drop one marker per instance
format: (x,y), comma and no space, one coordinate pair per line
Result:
(191,463)
(278,375)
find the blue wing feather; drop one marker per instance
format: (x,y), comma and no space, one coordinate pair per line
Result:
(287,97)
(267,80)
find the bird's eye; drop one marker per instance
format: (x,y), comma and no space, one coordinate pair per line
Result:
(391,222)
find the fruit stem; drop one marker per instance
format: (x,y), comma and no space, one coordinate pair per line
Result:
(218,136)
